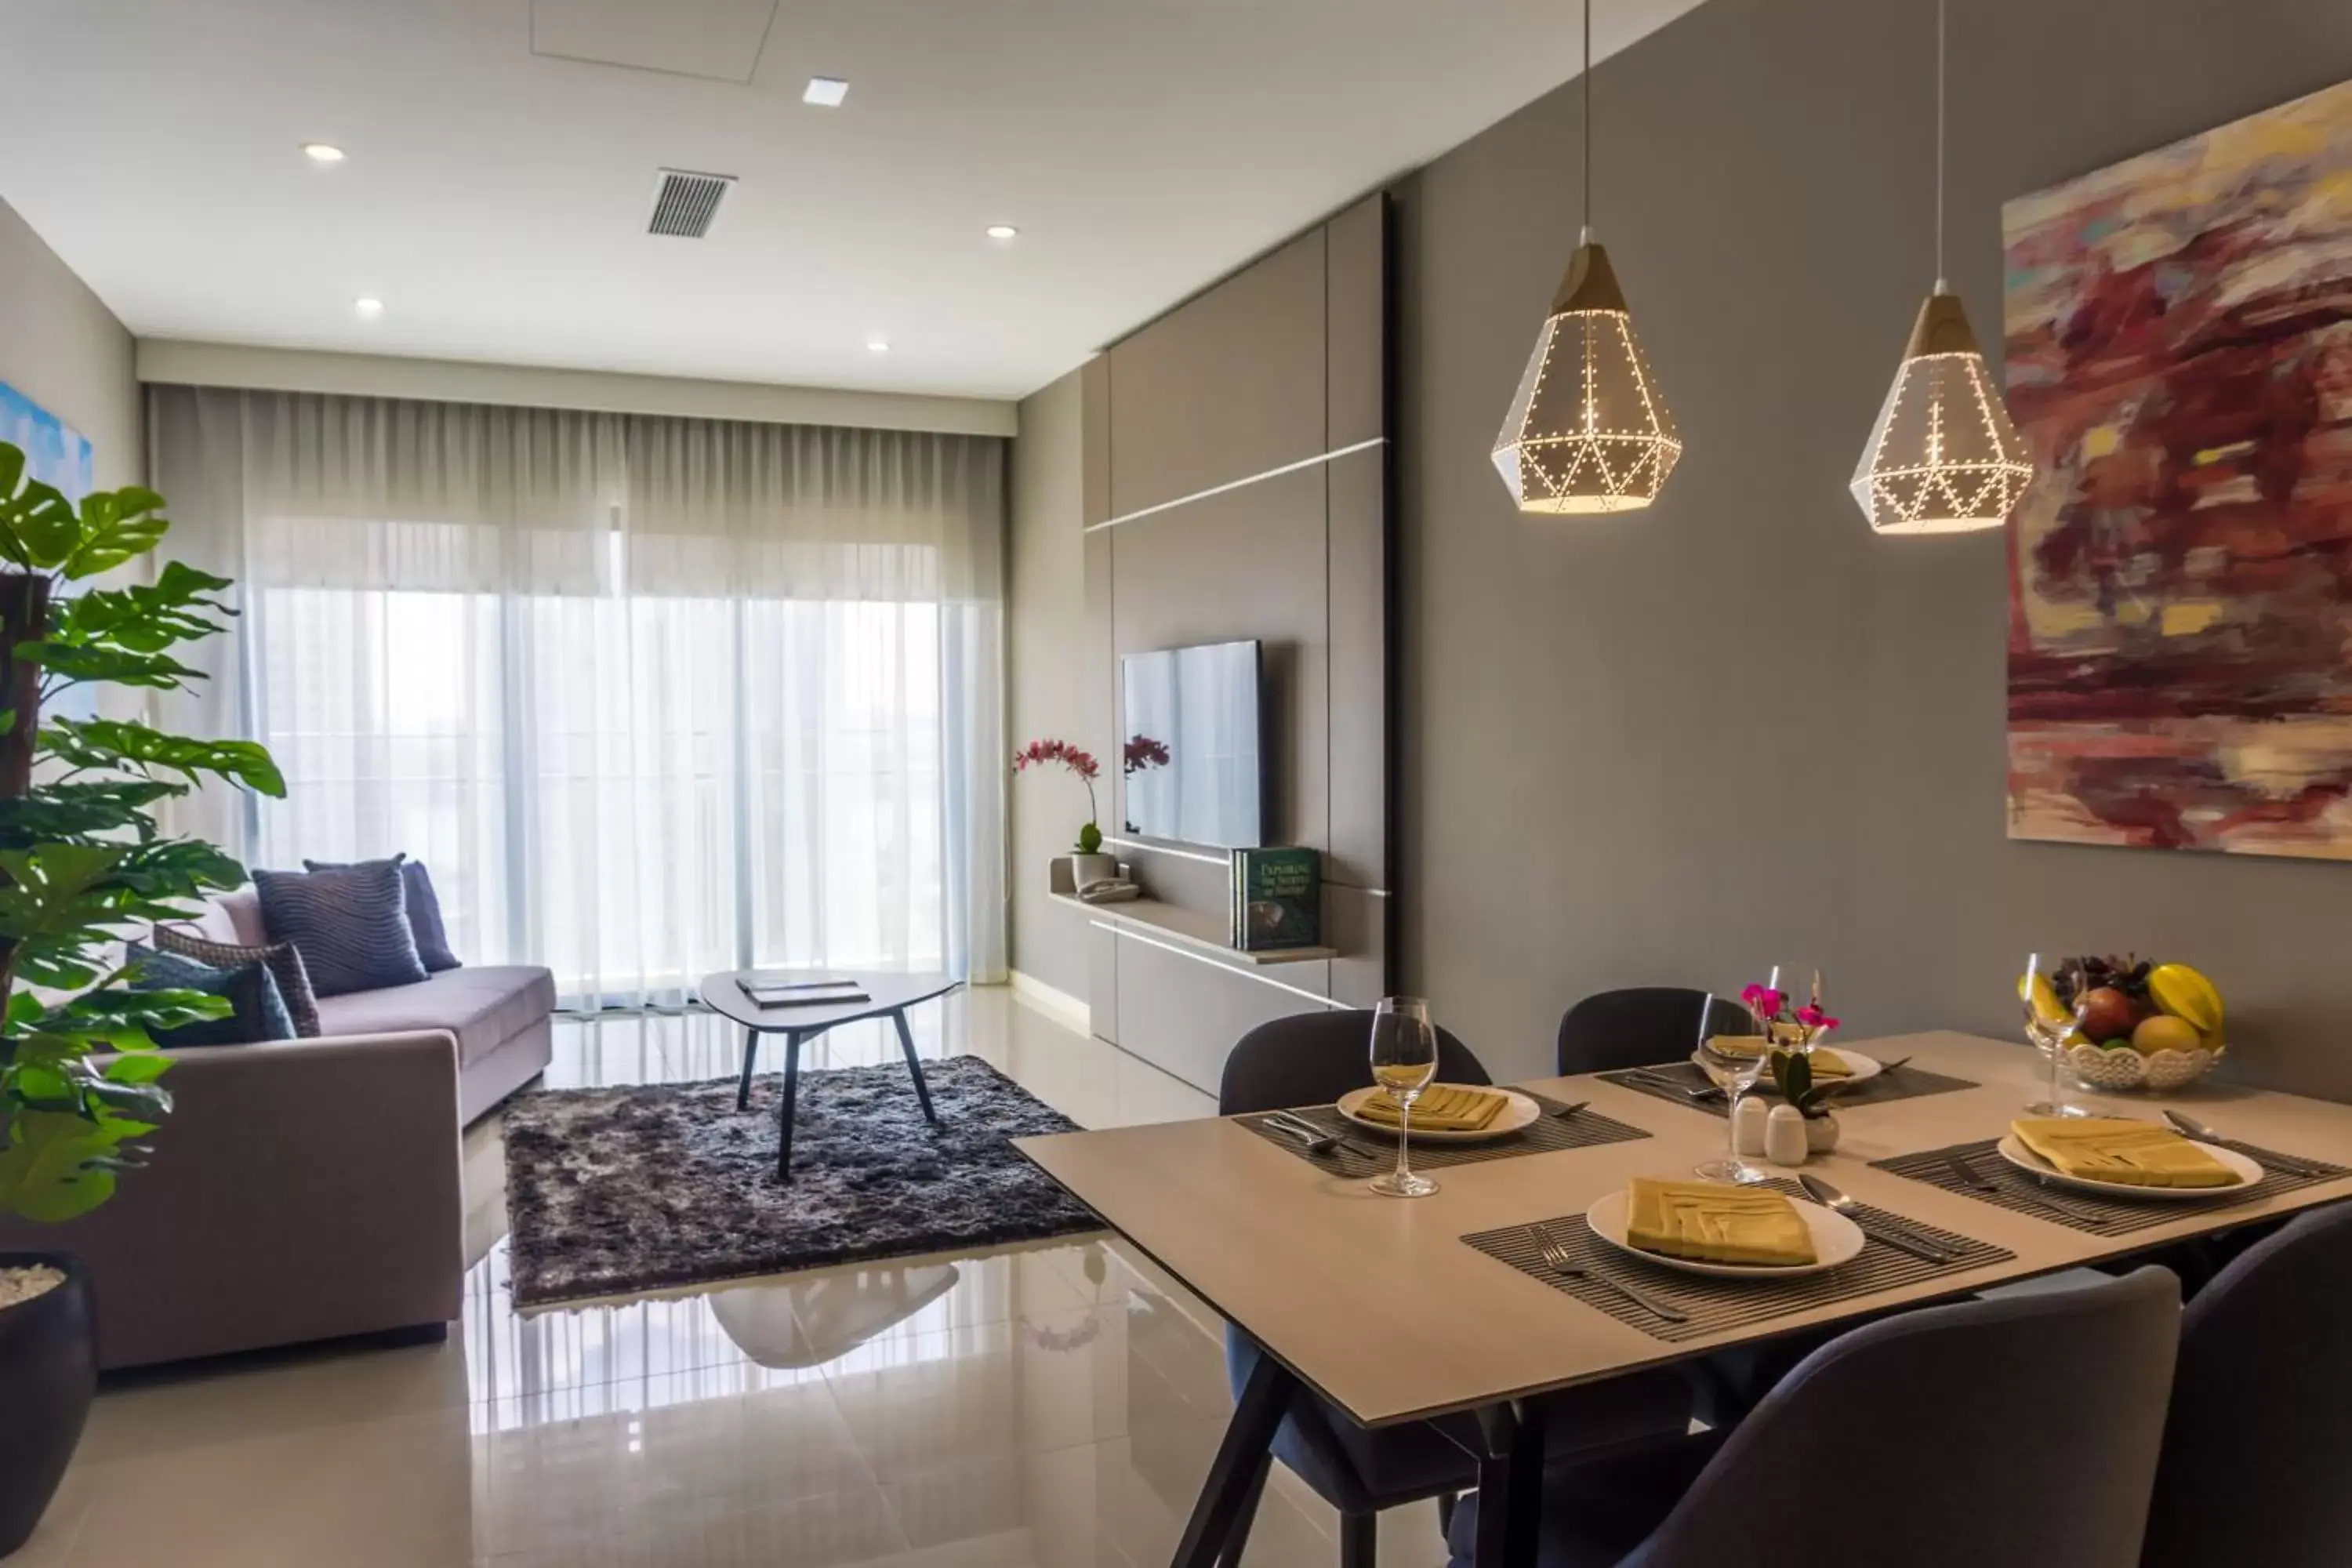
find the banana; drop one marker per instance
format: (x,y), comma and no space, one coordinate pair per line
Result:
(2187,996)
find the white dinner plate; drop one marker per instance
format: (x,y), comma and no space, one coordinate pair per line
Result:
(2248,1173)
(1836,1240)
(1520,1113)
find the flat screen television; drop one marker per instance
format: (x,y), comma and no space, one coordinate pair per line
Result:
(1193,759)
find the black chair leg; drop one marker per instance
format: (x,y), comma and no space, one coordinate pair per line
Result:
(1445,1501)
(1360,1539)
(1238,1539)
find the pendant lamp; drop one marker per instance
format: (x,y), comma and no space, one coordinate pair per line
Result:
(1588,431)
(1944,457)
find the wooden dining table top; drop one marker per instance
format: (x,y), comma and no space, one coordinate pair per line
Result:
(1379,1304)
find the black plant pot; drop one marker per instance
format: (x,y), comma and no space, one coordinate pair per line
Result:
(48,1372)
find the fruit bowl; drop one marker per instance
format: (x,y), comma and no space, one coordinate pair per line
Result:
(2125,1024)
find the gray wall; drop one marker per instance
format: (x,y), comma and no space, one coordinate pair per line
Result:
(1672,746)
(1047,674)
(61,347)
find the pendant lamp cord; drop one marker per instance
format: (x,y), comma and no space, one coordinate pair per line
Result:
(1586,90)
(1940,288)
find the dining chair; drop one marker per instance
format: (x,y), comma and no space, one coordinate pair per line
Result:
(2023,1429)
(1313,1058)
(1636,1027)
(2258,1446)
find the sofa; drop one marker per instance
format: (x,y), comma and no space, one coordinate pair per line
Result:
(309,1189)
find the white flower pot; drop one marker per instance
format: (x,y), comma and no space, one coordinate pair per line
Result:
(1820,1134)
(1086,870)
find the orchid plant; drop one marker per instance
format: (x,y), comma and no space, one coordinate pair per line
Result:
(1040,753)
(1794,1031)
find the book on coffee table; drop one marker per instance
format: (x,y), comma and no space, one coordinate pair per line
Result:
(804,991)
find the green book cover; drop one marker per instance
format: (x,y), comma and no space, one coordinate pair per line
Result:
(1278,899)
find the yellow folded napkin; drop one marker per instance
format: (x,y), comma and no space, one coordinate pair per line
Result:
(2127,1154)
(1440,1108)
(1710,1222)
(1827,1063)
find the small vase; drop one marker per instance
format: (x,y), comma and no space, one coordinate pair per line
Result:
(1088,869)
(1820,1134)
(1784,1136)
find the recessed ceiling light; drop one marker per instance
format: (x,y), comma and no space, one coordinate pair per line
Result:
(322,153)
(368,306)
(1001,231)
(877,345)
(825,91)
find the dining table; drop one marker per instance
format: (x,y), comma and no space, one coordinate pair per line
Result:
(1385,1308)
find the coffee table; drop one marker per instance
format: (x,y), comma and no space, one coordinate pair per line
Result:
(890,994)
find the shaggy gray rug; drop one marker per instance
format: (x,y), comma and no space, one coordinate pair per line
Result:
(654,1185)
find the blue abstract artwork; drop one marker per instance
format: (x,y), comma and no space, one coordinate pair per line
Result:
(54,452)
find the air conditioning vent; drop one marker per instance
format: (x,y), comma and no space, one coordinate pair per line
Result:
(684,203)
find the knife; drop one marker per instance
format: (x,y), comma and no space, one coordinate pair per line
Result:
(2202,1133)
(1971,1177)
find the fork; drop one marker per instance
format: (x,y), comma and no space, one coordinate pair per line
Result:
(1562,1264)
(1317,1139)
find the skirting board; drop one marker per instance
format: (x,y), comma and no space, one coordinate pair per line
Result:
(1059,1005)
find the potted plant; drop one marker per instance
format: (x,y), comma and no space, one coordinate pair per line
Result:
(1792,1075)
(1088,864)
(83,862)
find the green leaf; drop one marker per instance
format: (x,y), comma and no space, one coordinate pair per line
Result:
(78,808)
(116,743)
(144,1068)
(75,663)
(38,526)
(116,526)
(145,1099)
(145,617)
(47,1172)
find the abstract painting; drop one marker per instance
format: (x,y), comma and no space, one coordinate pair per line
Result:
(54,452)
(2180,353)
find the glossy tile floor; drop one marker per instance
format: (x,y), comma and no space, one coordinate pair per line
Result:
(1056,1405)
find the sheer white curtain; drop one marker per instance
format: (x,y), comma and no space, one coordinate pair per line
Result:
(651,696)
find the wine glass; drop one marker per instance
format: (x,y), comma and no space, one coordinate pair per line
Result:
(1404,1059)
(2048,1024)
(1727,1031)
(1800,985)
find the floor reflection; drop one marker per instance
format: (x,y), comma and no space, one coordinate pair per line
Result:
(1054,1405)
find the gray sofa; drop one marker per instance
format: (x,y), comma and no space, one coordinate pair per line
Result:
(309,1189)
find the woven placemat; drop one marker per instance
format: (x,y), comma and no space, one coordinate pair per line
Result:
(1903,1083)
(1367,1152)
(1713,1304)
(1998,1182)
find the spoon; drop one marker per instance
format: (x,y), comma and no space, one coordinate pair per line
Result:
(1830,1198)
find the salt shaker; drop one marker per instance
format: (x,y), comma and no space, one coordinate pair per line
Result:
(1784,1136)
(1748,1127)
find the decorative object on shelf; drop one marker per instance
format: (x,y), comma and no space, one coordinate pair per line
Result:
(1588,431)
(2176,613)
(1278,899)
(1792,1075)
(1089,864)
(1785,1139)
(81,857)
(1944,457)
(2124,1022)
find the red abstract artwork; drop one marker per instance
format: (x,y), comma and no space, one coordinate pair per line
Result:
(2179,357)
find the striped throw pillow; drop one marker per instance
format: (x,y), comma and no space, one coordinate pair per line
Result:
(351,925)
(282,959)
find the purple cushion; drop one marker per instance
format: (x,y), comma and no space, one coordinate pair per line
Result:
(351,925)
(423,906)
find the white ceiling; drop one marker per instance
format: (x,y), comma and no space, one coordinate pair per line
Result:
(499,177)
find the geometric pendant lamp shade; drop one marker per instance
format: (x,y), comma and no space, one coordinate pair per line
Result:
(1944,457)
(1588,431)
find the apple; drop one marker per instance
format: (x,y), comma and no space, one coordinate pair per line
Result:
(2105,1013)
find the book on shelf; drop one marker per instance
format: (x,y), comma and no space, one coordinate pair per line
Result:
(1278,899)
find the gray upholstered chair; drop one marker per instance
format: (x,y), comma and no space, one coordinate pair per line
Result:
(2258,1446)
(1312,1060)
(2018,1430)
(1637,1026)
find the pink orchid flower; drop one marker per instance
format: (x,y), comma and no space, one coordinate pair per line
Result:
(1814,1018)
(1763,1001)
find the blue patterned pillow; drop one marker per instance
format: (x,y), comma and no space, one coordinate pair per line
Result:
(351,925)
(259,1010)
(423,907)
